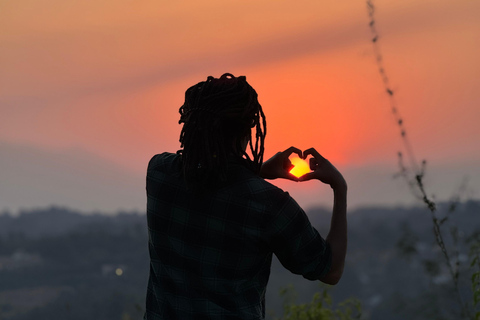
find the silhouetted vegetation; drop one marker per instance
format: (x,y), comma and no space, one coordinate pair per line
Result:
(56,263)
(446,233)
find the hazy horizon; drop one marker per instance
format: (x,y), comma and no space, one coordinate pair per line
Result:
(81,181)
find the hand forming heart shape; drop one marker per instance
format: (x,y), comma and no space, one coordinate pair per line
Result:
(280,166)
(300,167)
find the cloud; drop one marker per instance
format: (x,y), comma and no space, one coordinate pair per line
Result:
(270,51)
(77,63)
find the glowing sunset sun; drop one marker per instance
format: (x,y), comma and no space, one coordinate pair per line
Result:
(300,167)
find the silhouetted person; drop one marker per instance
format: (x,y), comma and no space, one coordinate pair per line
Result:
(214,222)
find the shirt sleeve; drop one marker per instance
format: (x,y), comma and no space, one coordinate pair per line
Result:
(296,243)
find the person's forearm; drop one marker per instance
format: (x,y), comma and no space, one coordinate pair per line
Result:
(337,236)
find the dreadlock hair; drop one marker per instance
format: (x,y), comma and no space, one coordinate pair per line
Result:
(218,116)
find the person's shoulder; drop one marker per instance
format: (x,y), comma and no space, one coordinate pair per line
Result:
(163,160)
(263,189)
(259,185)
(277,203)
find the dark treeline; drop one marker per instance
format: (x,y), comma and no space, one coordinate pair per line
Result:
(59,264)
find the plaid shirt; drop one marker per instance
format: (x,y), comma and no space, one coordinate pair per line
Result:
(210,255)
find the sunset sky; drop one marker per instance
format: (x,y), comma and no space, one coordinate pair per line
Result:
(90,90)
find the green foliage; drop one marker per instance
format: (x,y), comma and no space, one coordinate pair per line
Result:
(320,308)
(475,279)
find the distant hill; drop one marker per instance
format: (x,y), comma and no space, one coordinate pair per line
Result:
(59,221)
(56,262)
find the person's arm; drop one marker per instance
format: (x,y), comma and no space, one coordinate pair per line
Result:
(324,171)
(337,236)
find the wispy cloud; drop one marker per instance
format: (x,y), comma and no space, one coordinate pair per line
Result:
(52,69)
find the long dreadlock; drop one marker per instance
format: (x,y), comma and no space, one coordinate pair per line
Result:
(218,116)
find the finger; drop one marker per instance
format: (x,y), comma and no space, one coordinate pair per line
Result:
(314,153)
(307,176)
(313,164)
(290,176)
(291,150)
(287,165)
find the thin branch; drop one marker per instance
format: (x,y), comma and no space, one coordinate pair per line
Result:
(416,184)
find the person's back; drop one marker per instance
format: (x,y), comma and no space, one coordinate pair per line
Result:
(213,229)
(214,249)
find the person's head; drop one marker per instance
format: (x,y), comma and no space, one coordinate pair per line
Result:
(218,116)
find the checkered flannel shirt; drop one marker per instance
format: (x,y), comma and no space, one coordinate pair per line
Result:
(210,255)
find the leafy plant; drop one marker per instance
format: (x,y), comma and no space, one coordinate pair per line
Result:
(475,279)
(320,308)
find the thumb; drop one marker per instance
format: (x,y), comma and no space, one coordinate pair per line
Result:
(290,176)
(307,176)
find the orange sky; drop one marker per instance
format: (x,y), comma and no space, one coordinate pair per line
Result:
(106,78)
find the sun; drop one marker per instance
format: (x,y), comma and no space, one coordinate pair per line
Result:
(300,167)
